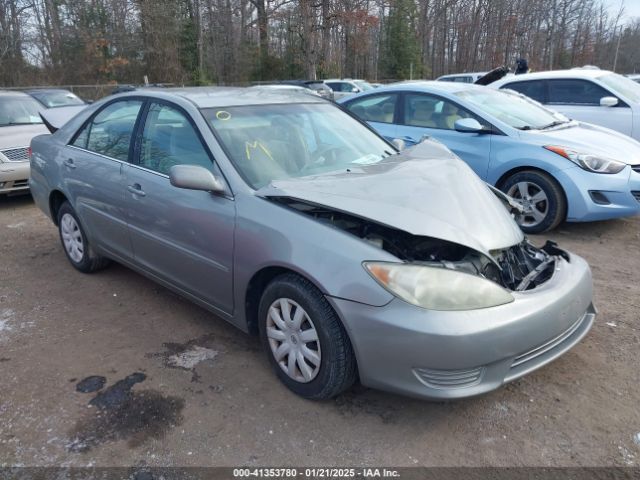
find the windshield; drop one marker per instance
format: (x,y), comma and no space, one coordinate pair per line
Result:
(57,99)
(514,109)
(18,111)
(274,142)
(623,86)
(363,85)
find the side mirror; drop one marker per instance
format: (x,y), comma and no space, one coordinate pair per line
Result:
(399,144)
(355,90)
(194,177)
(608,101)
(468,125)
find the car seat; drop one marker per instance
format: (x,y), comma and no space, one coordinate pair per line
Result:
(421,114)
(450,115)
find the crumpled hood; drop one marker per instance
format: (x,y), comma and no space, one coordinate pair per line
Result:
(591,139)
(15,136)
(425,190)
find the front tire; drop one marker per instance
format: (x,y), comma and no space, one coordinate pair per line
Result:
(542,198)
(307,344)
(75,243)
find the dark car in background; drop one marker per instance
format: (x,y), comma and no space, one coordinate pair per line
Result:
(55,97)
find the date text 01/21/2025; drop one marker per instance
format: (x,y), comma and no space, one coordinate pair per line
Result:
(316,472)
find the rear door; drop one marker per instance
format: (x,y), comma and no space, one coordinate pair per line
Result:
(94,167)
(580,100)
(379,111)
(185,237)
(425,114)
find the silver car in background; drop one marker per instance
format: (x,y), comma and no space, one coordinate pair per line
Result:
(19,123)
(288,217)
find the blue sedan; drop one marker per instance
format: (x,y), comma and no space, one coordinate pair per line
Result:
(556,168)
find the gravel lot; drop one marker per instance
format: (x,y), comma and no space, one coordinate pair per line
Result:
(198,392)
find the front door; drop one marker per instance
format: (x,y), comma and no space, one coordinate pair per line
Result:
(435,116)
(183,236)
(580,100)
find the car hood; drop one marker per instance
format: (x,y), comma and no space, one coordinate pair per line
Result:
(425,190)
(591,139)
(20,135)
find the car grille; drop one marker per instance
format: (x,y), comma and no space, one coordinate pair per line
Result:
(449,378)
(16,154)
(636,194)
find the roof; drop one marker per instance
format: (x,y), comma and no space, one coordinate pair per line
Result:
(575,73)
(213,97)
(429,86)
(46,90)
(465,74)
(12,93)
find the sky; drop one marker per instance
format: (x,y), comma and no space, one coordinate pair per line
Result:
(631,7)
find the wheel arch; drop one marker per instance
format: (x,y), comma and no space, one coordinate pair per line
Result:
(257,285)
(523,168)
(56,199)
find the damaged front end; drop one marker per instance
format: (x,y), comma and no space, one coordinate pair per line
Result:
(517,268)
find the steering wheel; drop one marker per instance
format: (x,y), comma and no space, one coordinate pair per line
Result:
(323,152)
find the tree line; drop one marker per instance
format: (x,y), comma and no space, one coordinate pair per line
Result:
(200,42)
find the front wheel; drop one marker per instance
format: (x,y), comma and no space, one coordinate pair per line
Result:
(306,343)
(75,243)
(541,197)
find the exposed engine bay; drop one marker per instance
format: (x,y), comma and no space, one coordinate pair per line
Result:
(517,268)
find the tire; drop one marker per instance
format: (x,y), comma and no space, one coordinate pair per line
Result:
(541,216)
(336,370)
(75,244)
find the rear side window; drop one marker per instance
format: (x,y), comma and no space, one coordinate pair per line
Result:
(375,108)
(575,92)
(533,89)
(110,131)
(169,139)
(341,86)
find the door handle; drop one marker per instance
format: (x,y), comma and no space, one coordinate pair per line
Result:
(69,163)
(136,189)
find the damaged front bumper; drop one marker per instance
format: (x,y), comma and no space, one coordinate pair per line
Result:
(455,354)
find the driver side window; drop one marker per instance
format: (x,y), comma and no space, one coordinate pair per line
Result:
(169,139)
(432,112)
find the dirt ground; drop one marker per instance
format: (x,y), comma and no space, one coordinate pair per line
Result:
(58,327)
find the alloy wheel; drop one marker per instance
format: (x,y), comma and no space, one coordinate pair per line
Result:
(534,202)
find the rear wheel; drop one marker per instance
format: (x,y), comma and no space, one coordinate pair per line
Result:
(541,197)
(306,343)
(75,243)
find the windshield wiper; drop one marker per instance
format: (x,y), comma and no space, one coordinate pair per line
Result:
(555,123)
(11,124)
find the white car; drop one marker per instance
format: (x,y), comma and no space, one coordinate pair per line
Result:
(19,122)
(594,96)
(462,77)
(634,77)
(345,87)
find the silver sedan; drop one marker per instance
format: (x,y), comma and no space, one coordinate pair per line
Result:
(291,219)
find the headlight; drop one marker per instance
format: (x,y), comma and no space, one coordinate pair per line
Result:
(592,163)
(438,288)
